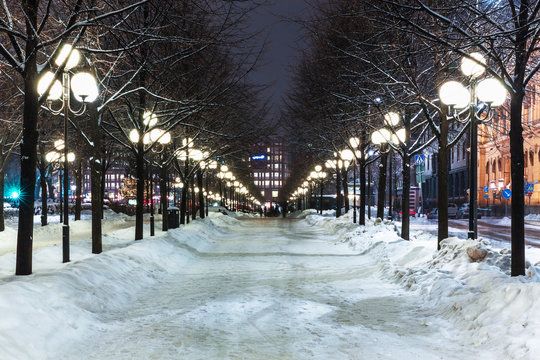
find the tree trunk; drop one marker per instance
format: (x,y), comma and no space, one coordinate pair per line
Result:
(193,200)
(29,141)
(339,201)
(139,209)
(43,185)
(381,191)
(406,174)
(442,178)
(2,216)
(368,191)
(345,179)
(517,171)
(163,190)
(201,192)
(103,173)
(183,204)
(95,181)
(78,190)
(362,214)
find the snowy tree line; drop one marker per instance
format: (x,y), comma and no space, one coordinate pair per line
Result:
(367,58)
(183,62)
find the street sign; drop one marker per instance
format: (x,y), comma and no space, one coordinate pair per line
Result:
(486,196)
(419,159)
(530,187)
(420,178)
(419,169)
(507,193)
(486,189)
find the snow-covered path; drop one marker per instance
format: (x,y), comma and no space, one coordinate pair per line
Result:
(272,289)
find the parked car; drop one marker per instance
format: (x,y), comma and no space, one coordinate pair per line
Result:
(464,211)
(453,210)
(433,214)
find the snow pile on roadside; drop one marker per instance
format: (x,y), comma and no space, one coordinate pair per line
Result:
(347,231)
(467,281)
(532,217)
(301,214)
(505,221)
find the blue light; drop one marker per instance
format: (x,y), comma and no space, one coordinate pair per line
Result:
(258,157)
(15,195)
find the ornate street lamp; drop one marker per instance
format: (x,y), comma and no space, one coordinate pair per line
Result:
(84,89)
(385,138)
(157,139)
(481,98)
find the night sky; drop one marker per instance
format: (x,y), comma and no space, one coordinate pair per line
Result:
(282,50)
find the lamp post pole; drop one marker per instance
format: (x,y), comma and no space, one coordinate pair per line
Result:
(354,190)
(65,227)
(390,187)
(152,224)
(473,176)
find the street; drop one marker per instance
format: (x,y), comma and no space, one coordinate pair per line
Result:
(274,289)
(490,228)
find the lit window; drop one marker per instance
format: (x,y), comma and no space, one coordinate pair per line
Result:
(276,166)
(267,183)
(262,192)
(275,193)
(276,174)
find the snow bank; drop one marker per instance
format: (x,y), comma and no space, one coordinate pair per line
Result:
(532,217)
(467,282)
(505,221)
(65,299)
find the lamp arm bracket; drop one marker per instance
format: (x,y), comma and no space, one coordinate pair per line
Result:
(456,115)
(53,110)
(79,111)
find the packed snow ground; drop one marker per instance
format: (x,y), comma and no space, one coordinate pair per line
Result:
(221,288)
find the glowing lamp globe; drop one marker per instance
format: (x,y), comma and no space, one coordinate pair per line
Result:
(146,139)
(452,93)
(52,156)
(149,118)
(391,119)
(346,154)
(59,144)
(84,87)
(354,142)
(399,136)
(474,67)
(134,136)
(55,92)
(491,91)
(196,154)
(68,51)
(318,168)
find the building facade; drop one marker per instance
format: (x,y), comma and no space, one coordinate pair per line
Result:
(269,164)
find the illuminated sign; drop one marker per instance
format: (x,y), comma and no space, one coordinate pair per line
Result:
(258,157)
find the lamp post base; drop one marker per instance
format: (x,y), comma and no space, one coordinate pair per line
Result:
(471,235)
(65,243)
(152,228)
